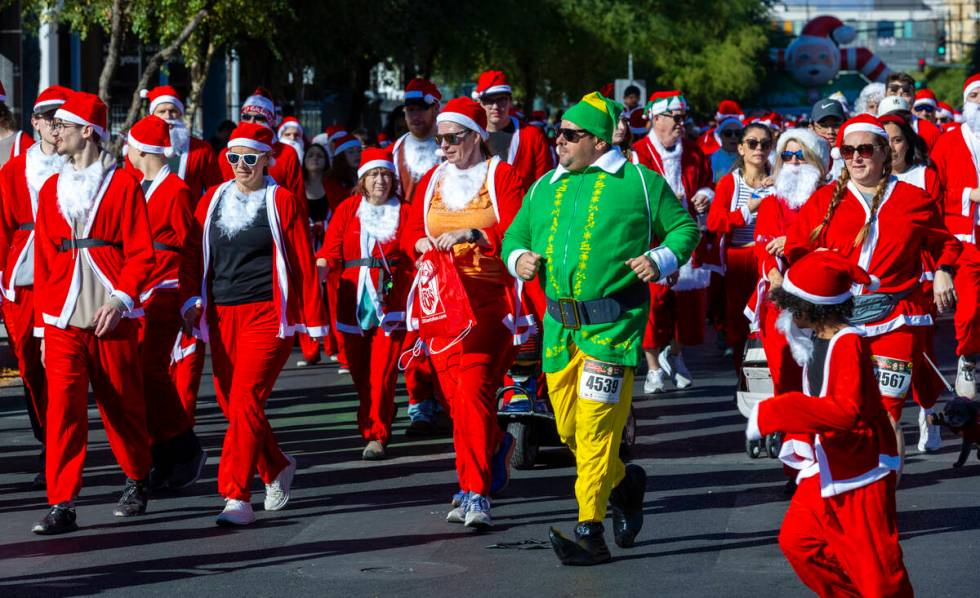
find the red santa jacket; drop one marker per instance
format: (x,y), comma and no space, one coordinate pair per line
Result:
(840,431)
(708,142)
(929,132)
(22,141)
(172,224)
(773,219)
(529,153)
(287,170)
(957,159)
(118,215)
(199,169)
(724,215)
(18,206)
(297,288)
(906,222)
(346,241)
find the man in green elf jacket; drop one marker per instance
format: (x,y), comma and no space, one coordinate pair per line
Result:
(586,228)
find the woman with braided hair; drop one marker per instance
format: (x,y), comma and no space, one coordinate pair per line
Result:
(881,224)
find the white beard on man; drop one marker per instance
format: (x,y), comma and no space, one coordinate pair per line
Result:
(77,189)
(795,183)
(458,187)
(238,210)
(381,222)
(420,155)
(671,160)
(971,117)
(180,136)
(800,341)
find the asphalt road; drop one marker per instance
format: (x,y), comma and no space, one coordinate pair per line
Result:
(377,529)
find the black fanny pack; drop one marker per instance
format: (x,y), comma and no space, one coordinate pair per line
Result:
(573,314)
(875,306)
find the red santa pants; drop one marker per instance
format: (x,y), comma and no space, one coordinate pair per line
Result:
(787,375)
(336,337)
(420,377)
(846,545)
(967,315)
(374,369)
(18,316)
(470,373)
(897,354)
(247,356)
(74,358)
(186,372)
(165,414)
(676,315)
(741,278)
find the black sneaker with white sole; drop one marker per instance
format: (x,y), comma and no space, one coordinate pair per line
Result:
(134,497)
(59,520)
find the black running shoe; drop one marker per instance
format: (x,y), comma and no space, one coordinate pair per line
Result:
(626,504)
(59,520)
(133,500)
(588,548)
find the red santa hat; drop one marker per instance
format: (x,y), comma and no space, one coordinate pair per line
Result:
(334,132)
(831,28)
(51,98)
(290,122)
(769,119)
(465,112)
(162,94)
(638,122)
(260,103)
(491,82)
(862,123)
(924,97)
(151,135)
(970,84)
(729,109)
(85,109)
(345,142)
(825,278)
(253,136)
(663,102)
(422,91)
(375,157)
(607,90)
(944,110)
(383,140)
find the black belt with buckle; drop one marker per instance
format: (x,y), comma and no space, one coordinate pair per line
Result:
(164,247)
(370,262)
(26,226)
(573,314)
(87,243)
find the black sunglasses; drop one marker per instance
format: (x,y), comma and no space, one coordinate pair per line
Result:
(249,159)
(900,89)
(925,108)
(452,138)
(787,156)
(253,118)
(755,143)
(865,150)
(573,135)
(677,118)
(729,133)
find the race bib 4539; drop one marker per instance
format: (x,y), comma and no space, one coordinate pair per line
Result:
(894,376)
(601,382)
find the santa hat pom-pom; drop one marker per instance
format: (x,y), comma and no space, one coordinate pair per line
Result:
(144,93)
(844,34)
(835,153)
(440,153)
(874,284)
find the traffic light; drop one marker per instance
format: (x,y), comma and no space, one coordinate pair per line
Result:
(922,65)
(941,46)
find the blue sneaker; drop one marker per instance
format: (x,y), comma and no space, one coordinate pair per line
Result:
(459,497)
(500,465)
(458,513)
(478,512)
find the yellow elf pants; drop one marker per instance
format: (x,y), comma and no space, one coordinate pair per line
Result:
(593,431)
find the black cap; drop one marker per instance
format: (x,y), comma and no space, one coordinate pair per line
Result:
(632,89)
(827,107)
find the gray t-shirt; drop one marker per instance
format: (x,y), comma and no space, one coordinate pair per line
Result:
(6,146)
(499,142)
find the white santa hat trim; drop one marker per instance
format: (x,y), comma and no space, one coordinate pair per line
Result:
(78,120)
(463,120)
(249,143)
(368,166)
(45,106)
(924,101)
(865,128)
(418,95)
(131,141)
(969,88)
(346,146)
(144,93)
(792,289)
(495,89)
(289,124)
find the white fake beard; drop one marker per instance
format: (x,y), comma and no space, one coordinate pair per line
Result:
(180,136)
(795,183)
(420,155)
(381,222)
(41,166)
(971,117)
(238,210)
(799,340)
(458,187)
(77,189)
(671,160)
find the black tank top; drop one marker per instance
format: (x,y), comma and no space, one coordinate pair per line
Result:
(242,265)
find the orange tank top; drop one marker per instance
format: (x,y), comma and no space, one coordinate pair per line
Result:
(478,214)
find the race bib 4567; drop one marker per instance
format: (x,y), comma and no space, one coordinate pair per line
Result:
(894,376)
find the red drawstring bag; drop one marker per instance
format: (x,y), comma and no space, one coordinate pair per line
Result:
(437,302)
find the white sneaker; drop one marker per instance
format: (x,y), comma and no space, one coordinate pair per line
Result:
(458,513)
(675,368)
(478,512)
(930,436)
(277,493)
(655,383)
(333,358)
(237,512)
(342,370)
(966,382)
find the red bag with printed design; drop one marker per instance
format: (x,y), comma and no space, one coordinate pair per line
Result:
(437,304)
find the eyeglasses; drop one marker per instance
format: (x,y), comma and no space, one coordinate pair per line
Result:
(753,144)
(729,133)
(865,150)
(59,125)
(787,156)
(677,118)
(900,88)
(254,118)
(827,126)
(452,138)
(573,135)
(249,159)
(498,100)
(925,108)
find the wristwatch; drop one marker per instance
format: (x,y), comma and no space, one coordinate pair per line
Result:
(947,269)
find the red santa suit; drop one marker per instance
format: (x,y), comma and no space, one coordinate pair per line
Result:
(679,311)
(906,221)
(367,255)
(529,153)
(251,340)
(928,131)
(20,181)
(471,370)
(111,248)
(957,159)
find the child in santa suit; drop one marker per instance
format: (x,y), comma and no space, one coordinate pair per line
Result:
(362,243)
(258,288)
(177,455)
(840,533)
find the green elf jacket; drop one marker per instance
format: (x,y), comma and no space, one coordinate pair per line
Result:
(586,225)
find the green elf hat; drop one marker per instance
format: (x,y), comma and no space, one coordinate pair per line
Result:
(596,114)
